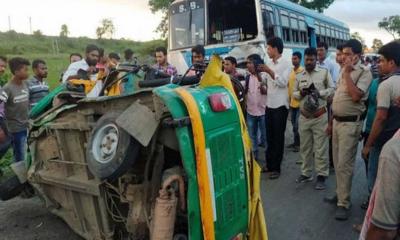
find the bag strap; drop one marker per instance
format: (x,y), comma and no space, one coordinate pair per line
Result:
(247,82)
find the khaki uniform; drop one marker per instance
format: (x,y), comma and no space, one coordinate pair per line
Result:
(345,134)
(313,138)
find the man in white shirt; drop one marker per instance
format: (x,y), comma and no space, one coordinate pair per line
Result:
(88,64)
(277,105)
(324,62)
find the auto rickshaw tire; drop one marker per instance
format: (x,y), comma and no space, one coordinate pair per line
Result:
(11,188)
(111,161)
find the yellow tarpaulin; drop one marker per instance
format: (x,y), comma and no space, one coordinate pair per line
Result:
(257,229)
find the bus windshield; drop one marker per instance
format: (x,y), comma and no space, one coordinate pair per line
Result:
(231,21)
(187,24)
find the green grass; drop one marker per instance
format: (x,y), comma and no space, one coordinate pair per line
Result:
(32,47)
(5,165)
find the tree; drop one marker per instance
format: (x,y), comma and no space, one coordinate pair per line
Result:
(376,44)
(64,31)
(357,35)
(107,29)
(162,5)
(391,25)
(38,34)
(318,5)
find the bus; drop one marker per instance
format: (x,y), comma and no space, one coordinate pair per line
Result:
(239,28)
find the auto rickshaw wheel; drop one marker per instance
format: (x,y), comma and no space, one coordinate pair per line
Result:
(111,150)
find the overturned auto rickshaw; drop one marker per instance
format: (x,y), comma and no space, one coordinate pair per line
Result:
(172,160)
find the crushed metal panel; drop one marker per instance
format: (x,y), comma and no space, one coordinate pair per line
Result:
(139,121)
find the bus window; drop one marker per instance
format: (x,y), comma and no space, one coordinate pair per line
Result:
(323,30)
(285,26)
(303,37)
(286,34)
(187,24)
(295,28)
(268,21)
(231,21)
(295,36)
(303,31)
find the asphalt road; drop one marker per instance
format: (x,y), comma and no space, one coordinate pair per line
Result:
(297,211)
(293,211)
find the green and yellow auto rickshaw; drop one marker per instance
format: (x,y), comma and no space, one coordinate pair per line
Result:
(165,162)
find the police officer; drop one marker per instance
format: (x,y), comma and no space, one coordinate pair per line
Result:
(348,114)
(313,86)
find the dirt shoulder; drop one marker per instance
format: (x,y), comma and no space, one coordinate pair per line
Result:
(27,219)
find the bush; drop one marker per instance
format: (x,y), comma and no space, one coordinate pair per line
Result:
(17,50)
(38,34)
(3,80)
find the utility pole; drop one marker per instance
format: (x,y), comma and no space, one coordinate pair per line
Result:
(57,47)
(30,25)
(9,23)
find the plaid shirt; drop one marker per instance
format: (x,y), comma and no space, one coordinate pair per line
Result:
(170,70)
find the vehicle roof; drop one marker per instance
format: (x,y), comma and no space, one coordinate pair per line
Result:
(306,11)
(300,9)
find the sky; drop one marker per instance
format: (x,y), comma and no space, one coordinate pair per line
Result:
(363,16)
(134,20)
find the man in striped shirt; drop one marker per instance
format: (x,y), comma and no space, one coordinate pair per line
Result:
(15,96)
(38,88)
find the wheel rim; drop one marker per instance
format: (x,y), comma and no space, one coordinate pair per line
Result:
(105,143)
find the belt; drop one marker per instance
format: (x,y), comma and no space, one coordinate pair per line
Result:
(317,114)
(349,118)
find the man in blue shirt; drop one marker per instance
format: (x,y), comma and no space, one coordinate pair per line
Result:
(37,85)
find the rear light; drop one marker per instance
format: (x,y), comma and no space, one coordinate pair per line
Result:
(220,102)
(238,237)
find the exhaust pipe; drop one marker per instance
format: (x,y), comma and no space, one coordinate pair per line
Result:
(164,214)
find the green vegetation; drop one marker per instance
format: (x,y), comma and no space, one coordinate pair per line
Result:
(5,162)
(392,25)
(55,50)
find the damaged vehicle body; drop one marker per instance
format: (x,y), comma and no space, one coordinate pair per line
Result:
(129,166)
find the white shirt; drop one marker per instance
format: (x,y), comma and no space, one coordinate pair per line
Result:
(278,95)
(333,68)
(74,68)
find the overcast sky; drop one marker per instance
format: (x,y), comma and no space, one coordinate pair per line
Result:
(134,20)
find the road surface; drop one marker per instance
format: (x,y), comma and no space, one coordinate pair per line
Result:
(293,211)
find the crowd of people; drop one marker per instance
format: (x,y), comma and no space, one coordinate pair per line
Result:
(332,105)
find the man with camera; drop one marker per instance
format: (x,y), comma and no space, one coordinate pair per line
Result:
(313,86)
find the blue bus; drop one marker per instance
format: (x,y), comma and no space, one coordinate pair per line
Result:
(239,28)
